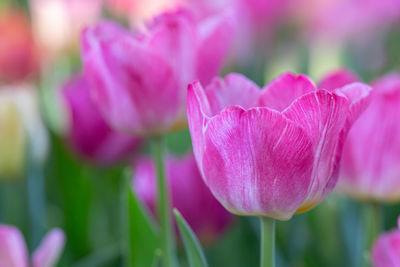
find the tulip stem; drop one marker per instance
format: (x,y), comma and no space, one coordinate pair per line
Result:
(374,223)
(267,242)
(164,210)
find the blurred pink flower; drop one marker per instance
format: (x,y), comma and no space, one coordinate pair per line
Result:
(386,250)
(13,251)
(339,19)
(139,80)
(18,53)
(57,23)
(270,152)
(189,195)
(88,133)
(371,155)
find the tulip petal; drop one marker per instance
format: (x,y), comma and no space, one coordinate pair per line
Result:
(386,250)
(131,85)
(216,35)
(282,91)
(257,162)
(235,89)
(13,251)
(174,38)
(50,249)
(337,79)
(323,116)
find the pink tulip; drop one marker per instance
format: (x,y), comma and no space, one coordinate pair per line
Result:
(270,152)
(337,79)
(88,133)
(189,195)
(386,250)
(13,251)
(139,79)
(371,155)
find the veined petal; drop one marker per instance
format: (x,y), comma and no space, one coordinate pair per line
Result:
(49,250)
(256,162)
(282,91)
(337,79)
(235,89)
(216,34)
(13,251)
(323,116)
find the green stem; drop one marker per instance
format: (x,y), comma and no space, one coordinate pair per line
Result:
(267,242)
(164,210)
(374,223)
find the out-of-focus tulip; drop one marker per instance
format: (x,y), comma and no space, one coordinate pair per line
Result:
(337,79)
(18,54)
(13,251)
(57,23)
(20,124)
(139,80)
(189,195)
(386,250)
(272,152)
(371,155)
(88,133)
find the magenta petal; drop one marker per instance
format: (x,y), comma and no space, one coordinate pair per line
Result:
(216,34)
(386,250)
(13,251)
(337,79)
(282,91)
(49,251)
(235,89)
(323,116)
(257,162)
(135,96)
(173,37)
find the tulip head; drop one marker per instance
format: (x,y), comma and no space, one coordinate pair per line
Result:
(139,80)
(88,132)
(13,250)
(188,192)
(371,155)
(386,250)
(270,152)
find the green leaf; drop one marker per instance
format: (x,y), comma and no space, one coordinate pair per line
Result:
(142,238)
(193,248)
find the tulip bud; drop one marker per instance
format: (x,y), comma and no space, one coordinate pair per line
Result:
(88,133)
(189,195)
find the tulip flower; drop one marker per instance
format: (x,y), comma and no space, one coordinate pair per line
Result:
(139,80)
(189,195)
(88,133)
(18,54)
(271,152)
(371,159)
(386,250)
(13,251)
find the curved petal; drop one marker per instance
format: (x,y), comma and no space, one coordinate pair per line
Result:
(337,79)
(386,250)
(216,35)
(198,112)
(13,251)
(323,116)
(49,250)
(235,89)
(134,88)
(282,91)
(256,162)
(174,37)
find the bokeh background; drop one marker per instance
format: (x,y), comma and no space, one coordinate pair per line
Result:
(49,179)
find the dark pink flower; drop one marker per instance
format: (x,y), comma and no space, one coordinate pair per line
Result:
(189,195)
(88,132)
(13,251)
(386,250)
(139,79)
(270,152)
